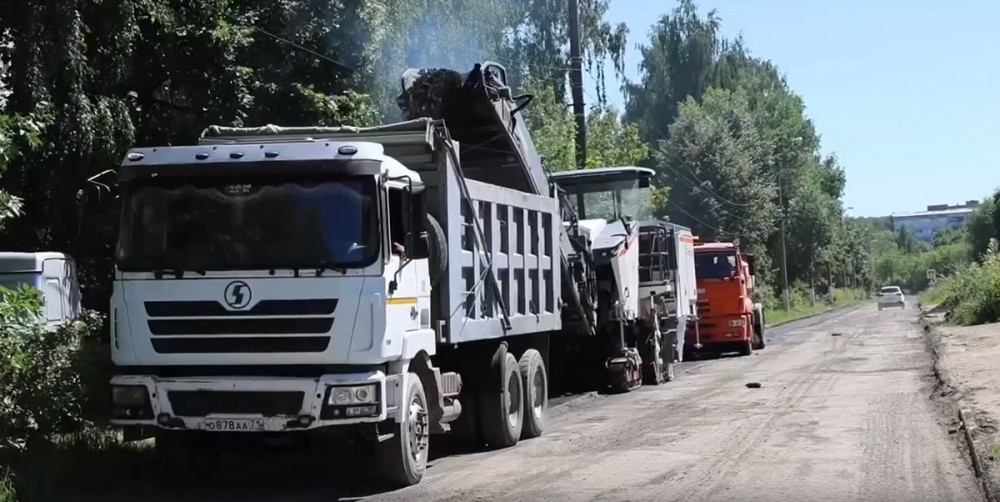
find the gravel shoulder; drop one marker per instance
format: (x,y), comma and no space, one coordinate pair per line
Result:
(968,366)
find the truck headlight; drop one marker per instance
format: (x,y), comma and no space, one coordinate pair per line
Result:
(129,395)
(736,323)
(131,402)
(351,395)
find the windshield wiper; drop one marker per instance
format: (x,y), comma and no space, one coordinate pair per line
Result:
(326,265)
(178,273)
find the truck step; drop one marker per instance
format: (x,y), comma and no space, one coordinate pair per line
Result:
(451,384)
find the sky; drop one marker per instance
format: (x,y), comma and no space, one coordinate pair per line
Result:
(904,92)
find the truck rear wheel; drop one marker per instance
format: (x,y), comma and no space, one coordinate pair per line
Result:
(535,382)
(501,405)
(402,459)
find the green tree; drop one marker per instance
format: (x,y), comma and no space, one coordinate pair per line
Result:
(687,60)
(983,226)
(907,241)
(950,236)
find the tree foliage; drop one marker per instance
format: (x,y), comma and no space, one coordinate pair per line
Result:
(83,81)
(737,151)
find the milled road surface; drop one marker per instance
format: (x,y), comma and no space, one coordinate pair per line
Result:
(836,418)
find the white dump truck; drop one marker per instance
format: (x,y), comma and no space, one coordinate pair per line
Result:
(384,283)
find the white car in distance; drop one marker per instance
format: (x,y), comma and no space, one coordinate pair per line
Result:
(891,296)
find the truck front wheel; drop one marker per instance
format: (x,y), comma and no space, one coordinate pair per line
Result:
(746,348)
(403,458)
(758,334)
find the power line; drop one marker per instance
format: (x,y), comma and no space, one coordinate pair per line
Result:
(296,46)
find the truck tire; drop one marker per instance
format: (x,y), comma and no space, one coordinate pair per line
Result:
(535,382)
(185,457)
(758,333)
(437,249)
(746,348)
(501,407)
(401,460)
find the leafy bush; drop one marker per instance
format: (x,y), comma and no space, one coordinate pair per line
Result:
(43,371)
(49,377)
(909,270)
(972,292)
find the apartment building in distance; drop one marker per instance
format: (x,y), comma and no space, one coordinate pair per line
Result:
(926,224)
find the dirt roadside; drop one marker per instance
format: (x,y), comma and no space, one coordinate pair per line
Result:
(967,367)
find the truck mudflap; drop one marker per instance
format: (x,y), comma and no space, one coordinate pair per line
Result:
(255,404)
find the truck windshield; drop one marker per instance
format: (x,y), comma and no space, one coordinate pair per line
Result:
(719,265)
(204,224)
(610,201)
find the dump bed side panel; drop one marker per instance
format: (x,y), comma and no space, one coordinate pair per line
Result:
(519,247)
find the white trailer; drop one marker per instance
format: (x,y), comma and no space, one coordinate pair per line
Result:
(384,283)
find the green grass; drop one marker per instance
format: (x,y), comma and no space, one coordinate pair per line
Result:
(841,297)
(933,296)
(7,493)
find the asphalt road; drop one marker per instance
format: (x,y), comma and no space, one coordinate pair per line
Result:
(843,412)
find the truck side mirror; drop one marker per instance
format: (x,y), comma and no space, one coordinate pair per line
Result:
(750,264)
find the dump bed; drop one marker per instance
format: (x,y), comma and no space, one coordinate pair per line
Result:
(503,275)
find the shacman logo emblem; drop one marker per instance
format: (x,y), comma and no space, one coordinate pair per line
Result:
(237,295)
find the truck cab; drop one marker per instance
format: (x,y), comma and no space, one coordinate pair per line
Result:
(729,319)
(268,288)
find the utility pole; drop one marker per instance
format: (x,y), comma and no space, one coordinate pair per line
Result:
(784,257)
(576,83)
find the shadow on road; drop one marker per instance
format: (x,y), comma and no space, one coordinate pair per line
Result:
(346,474)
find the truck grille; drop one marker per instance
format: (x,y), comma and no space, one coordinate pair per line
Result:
(201,403)
(206,327)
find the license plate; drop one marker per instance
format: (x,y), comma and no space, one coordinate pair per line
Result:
(233,425)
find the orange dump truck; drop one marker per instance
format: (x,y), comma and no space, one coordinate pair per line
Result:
(728,318)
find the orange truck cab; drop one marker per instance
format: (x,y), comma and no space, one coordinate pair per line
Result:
(728,318)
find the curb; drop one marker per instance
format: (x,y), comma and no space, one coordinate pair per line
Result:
(969,428)
(966,421)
